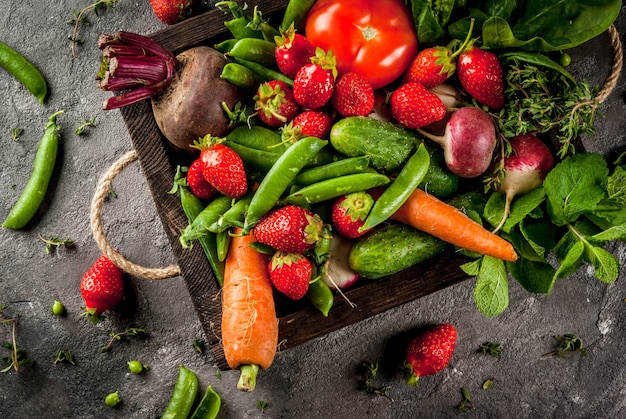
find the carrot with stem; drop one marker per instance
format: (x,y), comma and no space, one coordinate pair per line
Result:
(430,215)
(249,322)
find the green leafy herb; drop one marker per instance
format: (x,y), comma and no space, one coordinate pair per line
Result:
(64,357)
(370,373)
(569,344)
(488,383)
(466,403)
(18,355)
(54,242)
(262,405)
(85,125)
(491,348)
(491,292)
(15,133)
(80,18)
(198,345)
(116,336)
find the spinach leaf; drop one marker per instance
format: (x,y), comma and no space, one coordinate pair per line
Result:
(431,18)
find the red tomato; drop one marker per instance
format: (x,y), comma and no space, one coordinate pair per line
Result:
(373,38)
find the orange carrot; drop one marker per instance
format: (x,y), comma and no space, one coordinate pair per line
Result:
(430,215)
(249,322)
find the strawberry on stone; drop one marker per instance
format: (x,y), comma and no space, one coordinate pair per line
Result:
(222,167)
(349,212)
(290,274)
(314,83)
(429,351)
(353,95)
(101,287)
(414,106)
(290,229)
(275,104)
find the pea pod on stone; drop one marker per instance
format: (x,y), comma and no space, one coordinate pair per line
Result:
(209,406)
(24,71)
(183,395)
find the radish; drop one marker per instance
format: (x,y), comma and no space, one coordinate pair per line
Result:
(337,273)
(468,141)
(524,169)
(187,93)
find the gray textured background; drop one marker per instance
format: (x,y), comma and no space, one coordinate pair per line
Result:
(318,379)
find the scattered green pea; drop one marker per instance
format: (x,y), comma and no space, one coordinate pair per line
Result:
(136,367)
(58,309)
(565,59)
(112,399)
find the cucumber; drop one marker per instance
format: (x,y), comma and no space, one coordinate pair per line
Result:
(389,146)
(391,249)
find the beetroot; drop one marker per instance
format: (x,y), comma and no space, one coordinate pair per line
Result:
(468,141)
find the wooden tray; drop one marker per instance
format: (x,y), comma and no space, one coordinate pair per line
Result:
(296,324)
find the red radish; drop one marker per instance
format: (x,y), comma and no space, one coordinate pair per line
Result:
(524,169)
(337,273)
(468,142)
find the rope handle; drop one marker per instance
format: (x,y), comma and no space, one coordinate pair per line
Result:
(104,184)
(102,190)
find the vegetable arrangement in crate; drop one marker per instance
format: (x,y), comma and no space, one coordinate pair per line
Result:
(321,174)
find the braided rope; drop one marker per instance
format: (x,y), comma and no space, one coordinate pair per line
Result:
(102,190)
(618,57)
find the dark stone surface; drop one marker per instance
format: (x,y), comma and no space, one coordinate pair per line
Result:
(318,379)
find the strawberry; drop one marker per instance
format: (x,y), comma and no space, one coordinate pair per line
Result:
(314,83)
(197,183)
(431,67)
(313,123)
(292,51)
(429,352)
(353,95)
(222,167)
(275,104)
(414,106)
(102,287)
(290,229)
(480,74)
(172,11)
(290,273)
(349,212)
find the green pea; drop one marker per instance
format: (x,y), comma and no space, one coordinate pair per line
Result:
(35,190)
(24,71)
(280,177)
(565,59)
(209,406)
(112,399)
(400,189)
(335,187)
(136,367)
(183,395)
(57,308)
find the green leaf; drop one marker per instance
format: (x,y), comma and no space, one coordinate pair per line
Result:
(606,265)
(430,18)
(572,261)
(616,186)
(612,233)
(534,276)
(521,207)
(471,268)
(575,186)
(491,292)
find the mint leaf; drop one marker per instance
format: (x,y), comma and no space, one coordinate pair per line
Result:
(612,233)
(471,268)
(534,276)
(605,264)
(572,261)
(520,208)
(616,186)
(541,235)
(491,292)
(575,186)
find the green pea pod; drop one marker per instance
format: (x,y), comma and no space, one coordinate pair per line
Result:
(193,206)
(337,168)
(335,187)
(280,177)
(239,75)
(262,72)
(183,396)
(295,14)
(225,45)
(321,251)
(255,50)
(257,159)
(210,214)
(37,185)
(24,71)
(320,295)
(400,189)
(239,27)
(536,59)
(258,137)
(234,216)
(223,244)
(209,406)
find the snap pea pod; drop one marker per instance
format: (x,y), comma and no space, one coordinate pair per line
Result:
(223,243)
(183,396)
(262,72)
(258,137)
(335,187)
(35,190)
(24,71)
(280,177)
(400,189)
(209,406)
(193,206)
(225,45)
(295,14)
(239,75)
(258,159)
(337,168)
(320,295)
(234,216)
(254,50)
(239,27)
(210,214)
